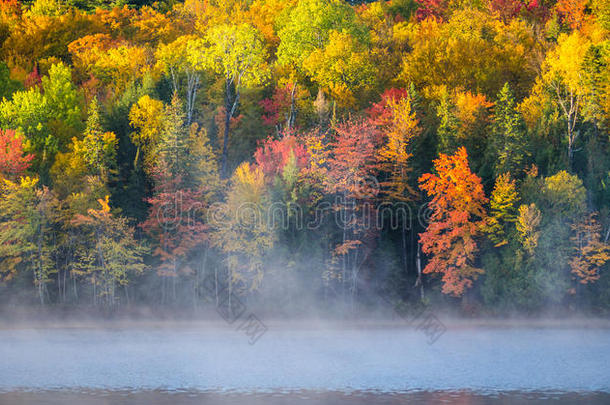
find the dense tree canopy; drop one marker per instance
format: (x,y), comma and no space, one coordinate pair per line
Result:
(428,151)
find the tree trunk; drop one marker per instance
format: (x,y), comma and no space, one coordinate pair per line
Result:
(216,283)
(293,111)
(230,106)
(38,277)
(230,309)
(419,282)
(404,251)
(191,95)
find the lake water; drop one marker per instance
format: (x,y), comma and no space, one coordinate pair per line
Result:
(390,365)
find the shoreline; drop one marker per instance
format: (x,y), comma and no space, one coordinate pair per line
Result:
(451,323)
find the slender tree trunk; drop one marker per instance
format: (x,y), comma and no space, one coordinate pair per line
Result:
(354,287)
(419,282)
(191,95)
(230,290)
(105,279)
(135,160)
(174,280)
(216,283)
(293,111)
(63,298)
(230,106)
(74,286)
(38,277)
(404,250)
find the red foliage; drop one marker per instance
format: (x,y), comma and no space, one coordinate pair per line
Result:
(507,9)
(431,8)
(13,160)
(33,79)
(176,222)
(458,214)
(353,161)
(277,106)
(380,114)
(273,155)
(537,10)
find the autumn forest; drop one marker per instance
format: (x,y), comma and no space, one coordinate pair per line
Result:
(305,154)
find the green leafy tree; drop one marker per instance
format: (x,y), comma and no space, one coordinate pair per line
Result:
(48,118)
(7,85)
(242,232)
(448,125)
(174,60)
(307,27)
(236,53)
(26,220)
(343,67)
(173,144)
(503,210)
(108,253)
(97,148)
(509,141)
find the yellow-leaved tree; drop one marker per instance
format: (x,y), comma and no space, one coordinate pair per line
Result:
(242,232)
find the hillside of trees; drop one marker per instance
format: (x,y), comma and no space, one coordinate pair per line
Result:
(299,154)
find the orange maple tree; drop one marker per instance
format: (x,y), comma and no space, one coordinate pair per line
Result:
(458,215)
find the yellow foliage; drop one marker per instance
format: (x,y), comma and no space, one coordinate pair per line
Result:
(146,116)
(528,223)
(469,107)
(564,63)
(395,153)
(343,67)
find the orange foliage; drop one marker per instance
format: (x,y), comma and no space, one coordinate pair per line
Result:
(591,252)
(457,219)
(573,12)
(394,155)
(470,108)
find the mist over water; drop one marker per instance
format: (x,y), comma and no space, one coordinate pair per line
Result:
(388,363)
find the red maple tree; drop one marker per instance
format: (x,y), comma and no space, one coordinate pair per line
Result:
(458,215)
(176,222)
(431,8)
(354,159)
(273,155)
(380,114)
(13,159)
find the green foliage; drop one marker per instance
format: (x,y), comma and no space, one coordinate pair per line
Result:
(173,144)
(307,27)
(155,105)
(47,117)
(236,52)
(448,125)
(108,253)
(7,85)
(50,8)
(97,148)
(510,147)
(503,210)
(564,195)
(243,232)
(26,218)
